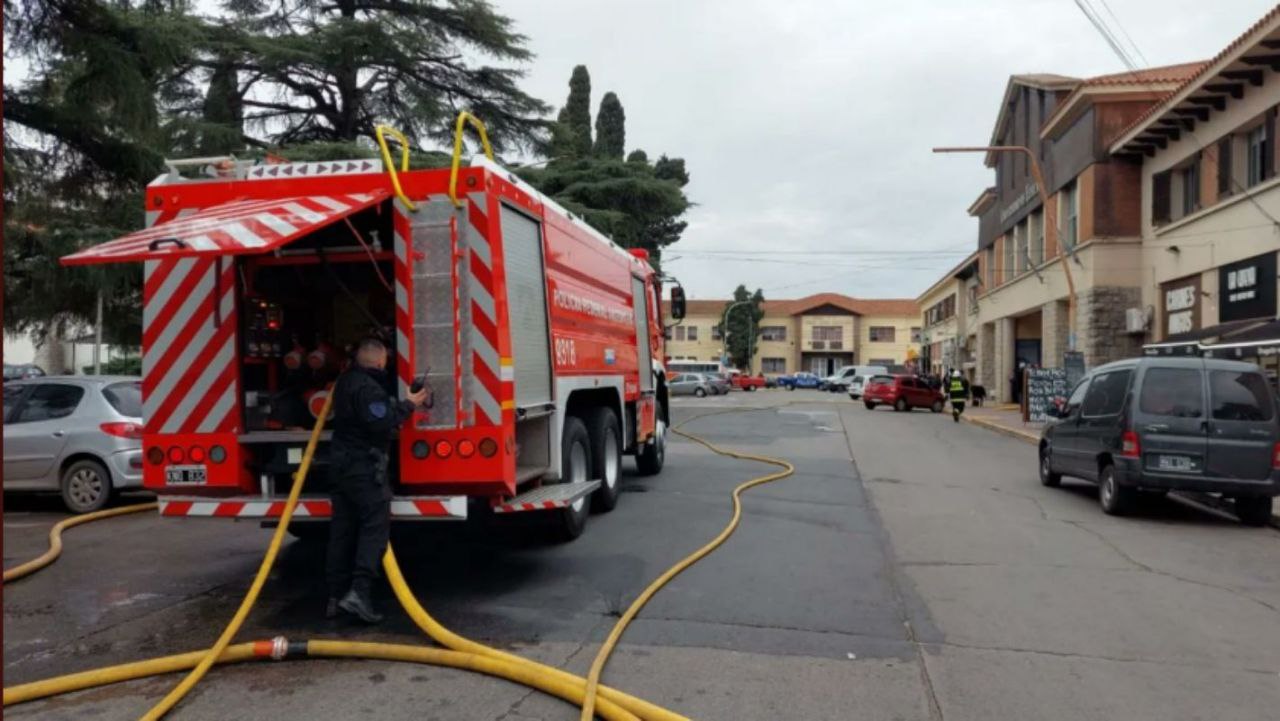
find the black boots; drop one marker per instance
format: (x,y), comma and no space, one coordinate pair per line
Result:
(360,607)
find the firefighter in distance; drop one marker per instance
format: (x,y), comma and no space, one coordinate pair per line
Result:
(365,417)
(958,392)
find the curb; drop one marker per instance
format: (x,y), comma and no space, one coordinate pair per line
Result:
(1024,436)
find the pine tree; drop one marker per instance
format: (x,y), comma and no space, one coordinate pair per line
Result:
(331,71)
(741,330)
(611,130)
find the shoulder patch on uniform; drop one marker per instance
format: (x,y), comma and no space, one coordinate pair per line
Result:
(378,409)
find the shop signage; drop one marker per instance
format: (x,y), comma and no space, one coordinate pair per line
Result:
(1029,192)
(1248,288)
(1181,305)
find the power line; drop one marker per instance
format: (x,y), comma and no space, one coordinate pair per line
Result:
(1133,71)
(1134,46)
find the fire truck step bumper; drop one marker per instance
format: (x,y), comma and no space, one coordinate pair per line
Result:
(548,498)
(422,508)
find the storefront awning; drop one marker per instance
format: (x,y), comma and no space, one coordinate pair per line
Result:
(1258,341)
(242,226)
(1194,342)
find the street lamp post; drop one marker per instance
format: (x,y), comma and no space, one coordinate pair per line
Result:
(724,323)
(1050,221)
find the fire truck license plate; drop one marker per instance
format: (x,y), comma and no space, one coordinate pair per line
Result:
(185,476)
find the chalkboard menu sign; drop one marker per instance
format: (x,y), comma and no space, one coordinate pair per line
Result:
(1045,387)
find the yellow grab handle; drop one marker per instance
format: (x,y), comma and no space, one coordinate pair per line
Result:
(463,118)
(391,167)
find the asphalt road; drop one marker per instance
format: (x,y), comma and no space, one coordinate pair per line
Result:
(911,569)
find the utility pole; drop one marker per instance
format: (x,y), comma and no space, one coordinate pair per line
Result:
(1050,221)
(751,322)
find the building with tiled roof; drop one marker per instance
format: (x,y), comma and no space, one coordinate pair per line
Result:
(817,333)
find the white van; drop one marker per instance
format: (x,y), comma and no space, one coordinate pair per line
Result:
(844,378)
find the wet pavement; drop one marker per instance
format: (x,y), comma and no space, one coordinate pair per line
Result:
(912,569)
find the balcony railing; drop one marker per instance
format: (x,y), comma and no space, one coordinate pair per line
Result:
(818,344)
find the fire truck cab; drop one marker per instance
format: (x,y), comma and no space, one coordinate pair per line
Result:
(540,338)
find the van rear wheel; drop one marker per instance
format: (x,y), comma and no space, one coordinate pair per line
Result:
(1115,499)
(1254,510)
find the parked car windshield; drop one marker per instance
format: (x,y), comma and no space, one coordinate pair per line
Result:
(126,398)
(1176,392)
(1239,396)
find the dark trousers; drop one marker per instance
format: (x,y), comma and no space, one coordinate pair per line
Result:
(358,529)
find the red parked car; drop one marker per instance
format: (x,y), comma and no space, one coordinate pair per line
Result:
(744,382)
(902,392)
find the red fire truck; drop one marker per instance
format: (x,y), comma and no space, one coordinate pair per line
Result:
(540,338)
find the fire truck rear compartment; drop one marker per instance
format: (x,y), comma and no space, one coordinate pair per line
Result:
(304,308)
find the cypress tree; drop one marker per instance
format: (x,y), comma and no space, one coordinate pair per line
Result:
(611,130)
(575,117)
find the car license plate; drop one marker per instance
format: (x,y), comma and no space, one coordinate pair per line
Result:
(1175,463)
(185,476)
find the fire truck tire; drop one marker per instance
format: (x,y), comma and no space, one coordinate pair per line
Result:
(575,467)
(606,455)
(652,456)
(86,486)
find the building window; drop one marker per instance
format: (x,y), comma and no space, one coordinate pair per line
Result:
(716,333)
(1021,231)
(773,332)
(827,332)
(1068,208)
(1036,231)
(1008,272)
(680,332)
(693,332)
(1256,150)
(1190,177)
(773,365)
(973,298)
(990,259)
(666,333)
(916,335)
(881,333)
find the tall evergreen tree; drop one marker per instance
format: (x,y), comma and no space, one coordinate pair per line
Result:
(571,136)
(741,330)
(611,132)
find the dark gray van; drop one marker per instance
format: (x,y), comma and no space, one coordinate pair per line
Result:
(1161,424)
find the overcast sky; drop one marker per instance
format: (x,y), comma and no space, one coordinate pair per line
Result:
(807,124)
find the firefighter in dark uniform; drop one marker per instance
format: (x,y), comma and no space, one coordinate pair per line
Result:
(958,392)
(365,416)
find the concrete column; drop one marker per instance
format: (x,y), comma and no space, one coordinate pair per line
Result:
(1053,333)
(1004,358)
(986,358)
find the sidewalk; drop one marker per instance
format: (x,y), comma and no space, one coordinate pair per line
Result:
(1007,419)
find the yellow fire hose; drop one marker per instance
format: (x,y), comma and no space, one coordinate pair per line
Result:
(463,653)
(602,656)
(55,538)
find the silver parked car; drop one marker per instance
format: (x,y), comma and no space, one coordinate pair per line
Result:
(78,435)
(688,384)
(719,382)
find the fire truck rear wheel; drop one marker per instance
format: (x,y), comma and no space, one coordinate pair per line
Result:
(575,467)
(606,452)
(652,456)
(86,486)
